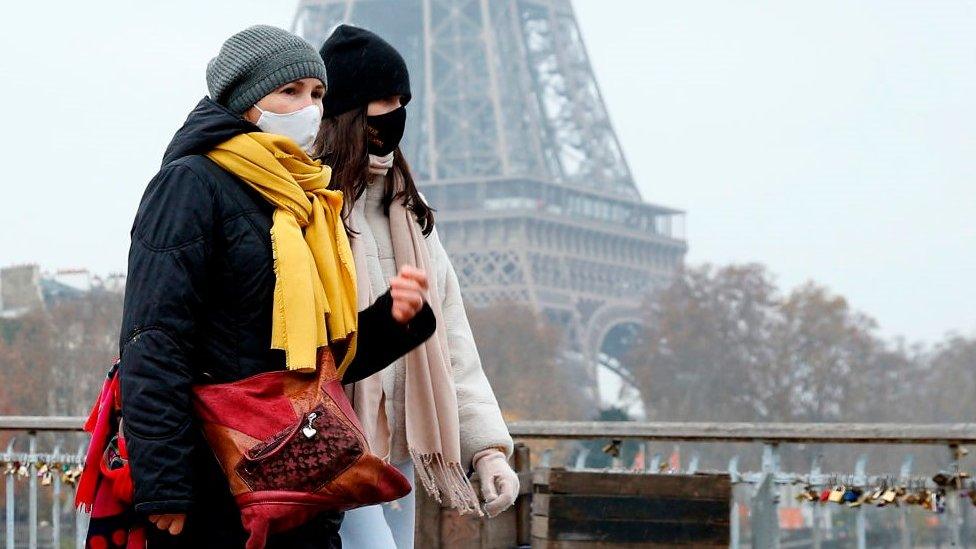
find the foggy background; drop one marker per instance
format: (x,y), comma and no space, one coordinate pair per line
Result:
(829,140)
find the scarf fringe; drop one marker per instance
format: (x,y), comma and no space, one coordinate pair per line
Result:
(446,482)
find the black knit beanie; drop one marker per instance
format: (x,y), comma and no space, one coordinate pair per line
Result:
(361,67)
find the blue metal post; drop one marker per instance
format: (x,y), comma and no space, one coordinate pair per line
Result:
(906,534)
(860,479)
(956,511)
(11,501)
(734,528)
(32,494)
(56,500)
(81,517)
(765,503)
(655,464)
(817,509)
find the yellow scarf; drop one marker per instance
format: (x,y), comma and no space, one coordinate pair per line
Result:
(315,277)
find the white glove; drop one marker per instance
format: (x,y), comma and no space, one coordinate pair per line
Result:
(499,483)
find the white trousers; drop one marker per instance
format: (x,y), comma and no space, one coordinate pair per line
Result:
(387,526)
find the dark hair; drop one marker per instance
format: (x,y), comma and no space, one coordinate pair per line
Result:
(341,144)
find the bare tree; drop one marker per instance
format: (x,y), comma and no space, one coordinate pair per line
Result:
(54,359)
(950,377)
(521,355)
(823,358)
(25,359)
(86,344)
(724,344)
(703,339)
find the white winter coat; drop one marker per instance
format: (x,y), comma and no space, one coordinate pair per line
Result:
(481,423)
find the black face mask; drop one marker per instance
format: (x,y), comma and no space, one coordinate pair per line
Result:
(384,131)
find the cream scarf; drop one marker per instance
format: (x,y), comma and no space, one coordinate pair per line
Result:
(431,409)
(380,165)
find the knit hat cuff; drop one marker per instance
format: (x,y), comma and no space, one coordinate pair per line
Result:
(253,90)
(362,99)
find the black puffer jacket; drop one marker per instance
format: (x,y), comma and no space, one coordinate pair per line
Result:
(198,309)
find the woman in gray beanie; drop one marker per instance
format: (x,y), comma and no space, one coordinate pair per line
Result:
(202,302)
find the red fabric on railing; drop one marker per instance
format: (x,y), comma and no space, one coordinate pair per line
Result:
(105,486)
(102,428)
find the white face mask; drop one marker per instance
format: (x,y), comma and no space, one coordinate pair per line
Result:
(300,126)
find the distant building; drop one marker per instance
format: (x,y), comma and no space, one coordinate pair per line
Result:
(79,279)
(20,290)
(24,288)
(114,282)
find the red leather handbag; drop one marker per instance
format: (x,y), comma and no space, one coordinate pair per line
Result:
(292,447)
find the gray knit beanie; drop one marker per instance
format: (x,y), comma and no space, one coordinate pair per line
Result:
(256,61)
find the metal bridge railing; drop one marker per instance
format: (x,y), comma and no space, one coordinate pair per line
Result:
(57,469)
(763,485)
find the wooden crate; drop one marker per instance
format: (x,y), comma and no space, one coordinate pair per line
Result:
(439,528)
(601,509)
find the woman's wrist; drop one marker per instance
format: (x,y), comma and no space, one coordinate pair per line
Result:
(487,452)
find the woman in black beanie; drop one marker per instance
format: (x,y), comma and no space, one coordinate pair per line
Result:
(433,413)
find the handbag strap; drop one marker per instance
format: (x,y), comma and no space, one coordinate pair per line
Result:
(327,368)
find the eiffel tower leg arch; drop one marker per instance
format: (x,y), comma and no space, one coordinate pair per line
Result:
(609,335)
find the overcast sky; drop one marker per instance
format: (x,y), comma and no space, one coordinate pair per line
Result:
(832,140)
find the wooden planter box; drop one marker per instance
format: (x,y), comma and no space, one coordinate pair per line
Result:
(439,528)
(599,509)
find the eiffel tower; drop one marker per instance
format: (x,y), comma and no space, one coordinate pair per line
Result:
(511,142)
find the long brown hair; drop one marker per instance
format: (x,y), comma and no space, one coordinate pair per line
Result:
(341,144)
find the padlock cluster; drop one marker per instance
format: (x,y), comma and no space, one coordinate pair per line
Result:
(68,473)
(929,495)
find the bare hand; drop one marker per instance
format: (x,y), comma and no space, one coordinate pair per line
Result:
(408,289)
(172,523)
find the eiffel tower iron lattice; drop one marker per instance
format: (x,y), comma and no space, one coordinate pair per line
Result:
(511,142)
